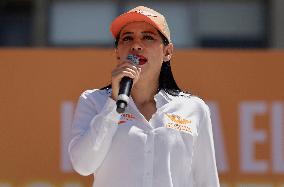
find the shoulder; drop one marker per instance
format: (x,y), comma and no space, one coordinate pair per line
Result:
(94,96)
(188,98)
(190,103)
(87,94)
(200,104)
(198,101)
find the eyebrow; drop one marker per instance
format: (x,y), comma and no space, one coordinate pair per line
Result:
(149,32)
(144,32)
(127,33)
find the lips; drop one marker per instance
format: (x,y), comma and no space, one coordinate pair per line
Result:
(137,59)
(142,59)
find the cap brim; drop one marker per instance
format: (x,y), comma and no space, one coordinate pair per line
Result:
(126,18)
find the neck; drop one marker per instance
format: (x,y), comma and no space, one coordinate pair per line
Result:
(143,92)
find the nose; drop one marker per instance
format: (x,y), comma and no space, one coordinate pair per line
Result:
(136,46)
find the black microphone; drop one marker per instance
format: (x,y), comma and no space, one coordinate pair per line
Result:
(125,87)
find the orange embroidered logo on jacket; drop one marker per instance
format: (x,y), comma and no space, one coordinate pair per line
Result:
(178,123)
(177,119)
(125,117)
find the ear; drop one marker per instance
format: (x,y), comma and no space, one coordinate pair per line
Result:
(116,54)
(168,52)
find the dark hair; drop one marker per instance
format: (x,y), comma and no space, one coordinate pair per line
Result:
(166,78)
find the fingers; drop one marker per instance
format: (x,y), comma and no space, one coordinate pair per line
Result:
(121,70)
(128,64)
(126,69)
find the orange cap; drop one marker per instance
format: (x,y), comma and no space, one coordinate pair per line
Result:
(141,13)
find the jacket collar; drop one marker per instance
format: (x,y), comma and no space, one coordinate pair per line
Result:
(161,98)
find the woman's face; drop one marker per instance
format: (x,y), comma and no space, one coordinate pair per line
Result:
(141,38)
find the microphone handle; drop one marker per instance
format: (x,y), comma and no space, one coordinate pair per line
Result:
(123,94)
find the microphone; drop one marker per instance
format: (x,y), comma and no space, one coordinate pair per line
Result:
(125,86)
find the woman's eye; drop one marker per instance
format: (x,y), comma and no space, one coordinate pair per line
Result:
(148,37)
(126,38)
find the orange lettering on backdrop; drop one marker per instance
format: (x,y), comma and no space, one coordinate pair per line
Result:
(40,88)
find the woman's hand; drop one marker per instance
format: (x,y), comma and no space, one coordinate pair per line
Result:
(124,69)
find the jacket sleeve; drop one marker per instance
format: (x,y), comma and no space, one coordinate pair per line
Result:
(204,163)
(92,134)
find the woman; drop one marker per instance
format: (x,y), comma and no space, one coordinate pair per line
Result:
(164,137)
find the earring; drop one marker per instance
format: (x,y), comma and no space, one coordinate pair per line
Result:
(167,58)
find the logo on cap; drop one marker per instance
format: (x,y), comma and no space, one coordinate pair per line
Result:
(145,13)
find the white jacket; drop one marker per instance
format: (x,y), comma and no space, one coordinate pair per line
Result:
(174,149)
